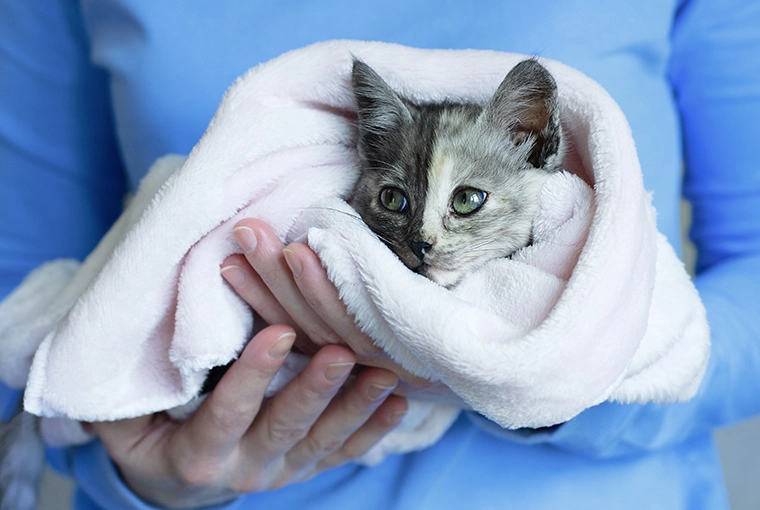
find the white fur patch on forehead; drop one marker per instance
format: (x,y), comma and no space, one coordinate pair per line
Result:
(441,182)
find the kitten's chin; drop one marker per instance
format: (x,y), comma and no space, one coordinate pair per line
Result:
(442,277)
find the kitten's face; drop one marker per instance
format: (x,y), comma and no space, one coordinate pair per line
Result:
(450,186)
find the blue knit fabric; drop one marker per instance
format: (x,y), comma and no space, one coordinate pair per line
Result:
(92,94)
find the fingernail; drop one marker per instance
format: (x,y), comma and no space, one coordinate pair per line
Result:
(282,346)
(337,371)
(395,418)
(246,238)
(294,263)
(378,392)
(234,275)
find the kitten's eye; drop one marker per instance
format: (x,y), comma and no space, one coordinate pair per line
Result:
(468,200)
(393,199)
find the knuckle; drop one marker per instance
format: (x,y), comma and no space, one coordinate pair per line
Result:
(269,265)
(323,446)
(358,408)
(270,274)
(283,433)
(315,393)
(199,474)
(228,420)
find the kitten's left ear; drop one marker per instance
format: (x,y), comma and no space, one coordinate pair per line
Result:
(526,104)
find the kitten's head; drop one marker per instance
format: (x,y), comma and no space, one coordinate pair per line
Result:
(449,186)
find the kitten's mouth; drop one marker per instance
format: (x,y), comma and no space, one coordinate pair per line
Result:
(422,269)
(442,277)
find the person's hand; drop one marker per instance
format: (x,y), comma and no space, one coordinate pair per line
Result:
(289,285)
(239,442)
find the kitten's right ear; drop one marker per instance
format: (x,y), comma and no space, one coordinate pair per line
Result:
(381,111)
(526,105)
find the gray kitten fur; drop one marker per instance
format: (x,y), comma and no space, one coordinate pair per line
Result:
(434,154)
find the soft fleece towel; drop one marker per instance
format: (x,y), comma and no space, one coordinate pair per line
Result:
(598,308)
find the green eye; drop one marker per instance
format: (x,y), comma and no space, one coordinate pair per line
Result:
(468,200)
(393,199)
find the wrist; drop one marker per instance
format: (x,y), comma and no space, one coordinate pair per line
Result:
(101,482)
(174,493)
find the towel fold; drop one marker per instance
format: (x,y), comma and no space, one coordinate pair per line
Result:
(598,308)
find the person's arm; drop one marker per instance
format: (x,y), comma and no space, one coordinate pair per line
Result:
(716,79)
(715,74)
(61,184)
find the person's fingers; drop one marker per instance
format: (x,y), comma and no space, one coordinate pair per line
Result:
(288,416)
(263,249)
(383,420)
(321,295)
(346,413)
(216,428)
(247,283)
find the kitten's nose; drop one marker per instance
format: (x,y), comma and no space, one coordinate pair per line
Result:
(420,248)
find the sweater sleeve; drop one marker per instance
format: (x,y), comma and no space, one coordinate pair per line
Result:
(715,75)
(61,182)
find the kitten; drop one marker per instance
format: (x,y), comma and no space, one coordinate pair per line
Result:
(448,186)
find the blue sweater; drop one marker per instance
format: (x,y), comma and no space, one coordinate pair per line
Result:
(91,94)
